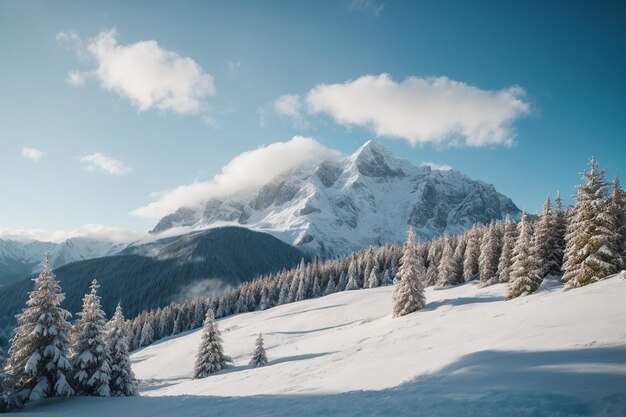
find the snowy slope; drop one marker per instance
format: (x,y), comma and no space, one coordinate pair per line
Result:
(368,198)
(553,353)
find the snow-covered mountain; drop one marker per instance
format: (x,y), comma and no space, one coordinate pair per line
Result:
(468,353)
(336,206)
(20,259)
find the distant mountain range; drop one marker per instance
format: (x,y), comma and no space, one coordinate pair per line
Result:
(151,275)
(368,198)
(18,260)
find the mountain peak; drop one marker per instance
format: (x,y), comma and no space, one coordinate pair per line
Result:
(373,159)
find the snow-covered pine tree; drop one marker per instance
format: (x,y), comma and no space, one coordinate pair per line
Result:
(373,281)
(89,351)
(210,357)
(590,232)
(147,334)
(508,246)
(342,283)
(489,256)
(559,230)
(544,241)
(259,357)
(353,279)
(302,286)
(525,277)
(37,361)
(316,291)
(472,252)
(122,382)
(448,268)
(387,278)
(264,304)
(617,211)
(330,285)
(408,291)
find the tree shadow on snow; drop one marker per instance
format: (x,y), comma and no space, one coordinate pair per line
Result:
(574,382)
(461,301)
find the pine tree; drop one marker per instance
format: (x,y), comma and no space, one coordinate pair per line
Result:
(525,277)
(302,287)
(589,253)
(343,282)
(147,334)
(90,354)
(259,357)
(490,249)
(408,291)
(544,241)
(448,268)
(122,382)
(617,213)
(373,281)
(387,278)
(316,291)
(508,246)
(330,286)
(472,252)
(559,227)
(38,362)
(210,357)
(353,279)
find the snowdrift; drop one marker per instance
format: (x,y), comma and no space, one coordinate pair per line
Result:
(469,352)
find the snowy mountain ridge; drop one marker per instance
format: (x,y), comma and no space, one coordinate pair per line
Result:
(19,259)
(368,198)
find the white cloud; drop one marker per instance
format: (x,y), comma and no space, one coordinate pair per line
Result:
(93,231)
(422,110)
(438,167)
(145,73)
(77,78)
(246,171)
(288,105)
(100,162)
(32,153)
(371,6)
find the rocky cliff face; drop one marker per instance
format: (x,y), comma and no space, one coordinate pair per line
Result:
(367,198)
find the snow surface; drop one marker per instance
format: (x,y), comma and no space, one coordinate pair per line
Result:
(468,353)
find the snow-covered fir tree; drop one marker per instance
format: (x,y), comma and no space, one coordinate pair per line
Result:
(89,351)
(472,253)
(37,363)
(544,241)
(316,291)
(259,357)
(559,230)
(122,381)
(509,239)
(210,357)
(408,291)
(387,278)
(330,285)
(353,279)
(448,268)
(343,282)
(590,255)
(525,277)
(147,334)
(490,250)
(373,280)
(617,213)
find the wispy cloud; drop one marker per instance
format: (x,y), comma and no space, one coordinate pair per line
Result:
(32,154)
(149,76)
(100,162)
(423,110)
(370,6)
(290,106)
(246,171)
(438,167)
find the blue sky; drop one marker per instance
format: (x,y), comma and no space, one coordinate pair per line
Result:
(542,87)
